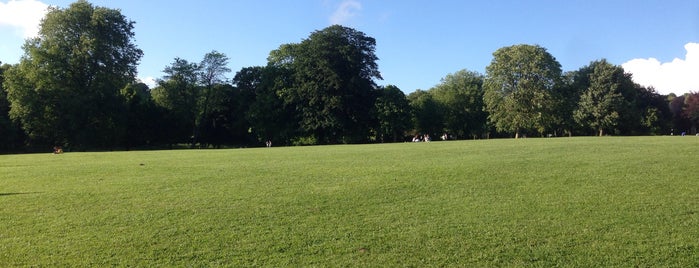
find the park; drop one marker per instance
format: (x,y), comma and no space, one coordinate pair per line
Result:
(582,201)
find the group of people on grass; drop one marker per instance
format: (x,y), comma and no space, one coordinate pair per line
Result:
(426,137)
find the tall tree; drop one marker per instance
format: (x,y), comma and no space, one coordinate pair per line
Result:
(144,120)
(11,137)
(178,93)
(656,117)
(679,120)
(601,103)
(520,89)
(461,97)
(392,113)
(333,87)
(573,84)
(691,111)
(269,118)
(66,87)
(212,76)
(428,116)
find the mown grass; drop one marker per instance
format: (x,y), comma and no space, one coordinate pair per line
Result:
(589,202)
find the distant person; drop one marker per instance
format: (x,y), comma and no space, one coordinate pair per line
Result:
(268,143)
(427,138)
(57,150)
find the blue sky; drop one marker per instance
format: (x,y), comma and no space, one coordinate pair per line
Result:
(418,42)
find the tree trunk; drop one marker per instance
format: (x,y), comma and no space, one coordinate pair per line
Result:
(601,132)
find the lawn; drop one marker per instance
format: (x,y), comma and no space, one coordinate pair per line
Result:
(589,202)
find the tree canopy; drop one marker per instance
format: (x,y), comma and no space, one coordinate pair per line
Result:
(65,90)
(519,89)
(75,87)
(333,83)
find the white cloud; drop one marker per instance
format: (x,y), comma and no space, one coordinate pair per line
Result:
(678,76)
(347,10)
(24,15)
(150,81)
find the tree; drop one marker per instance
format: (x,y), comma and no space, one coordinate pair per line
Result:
(601,103)
(428,117)
(520,89)
(178,93)
(10,132)
(65,90)
(691,111)
(333,87)
(573,84)
(656,117)
(144,120)
(212,77)
(269,118)
(393,114)
(679,120)
(460,96)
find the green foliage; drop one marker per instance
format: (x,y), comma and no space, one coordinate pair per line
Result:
(520,89)
(179,94)
(588,202)
(11,137)
(65,90)
(393,114)
(144,125)
(461,97)
(428,115)
(269,117)
(691,111)
(601,103)
(332,87)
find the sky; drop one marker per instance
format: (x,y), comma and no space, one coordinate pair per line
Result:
(417,42)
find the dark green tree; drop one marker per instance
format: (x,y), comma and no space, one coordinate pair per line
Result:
(11,138)
(601,103)
(393,114)
(427,117)
(656,118)
(144,120)
(461,97)
(212,77)
(691,111)
(573,84)
(333,87)
(179,93)
(520,87)
(65,90)
(269,117)
(679,120)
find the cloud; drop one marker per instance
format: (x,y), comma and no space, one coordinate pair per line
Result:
(24,15)
(347,10)
(149,80)
(678,76)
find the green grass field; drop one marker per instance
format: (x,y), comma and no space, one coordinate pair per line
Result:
(588,202)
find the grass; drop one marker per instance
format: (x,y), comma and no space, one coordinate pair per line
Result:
(613,201)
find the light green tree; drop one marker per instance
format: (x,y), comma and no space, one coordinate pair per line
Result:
(460,96)
(520,89)
(600,104)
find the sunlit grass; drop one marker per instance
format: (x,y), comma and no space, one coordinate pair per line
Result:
(534,202)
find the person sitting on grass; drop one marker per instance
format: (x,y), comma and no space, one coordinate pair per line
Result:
(57,150)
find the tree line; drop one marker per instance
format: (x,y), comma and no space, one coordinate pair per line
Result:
(76,87)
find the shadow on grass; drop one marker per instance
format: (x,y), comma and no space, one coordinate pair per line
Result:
(10,194)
